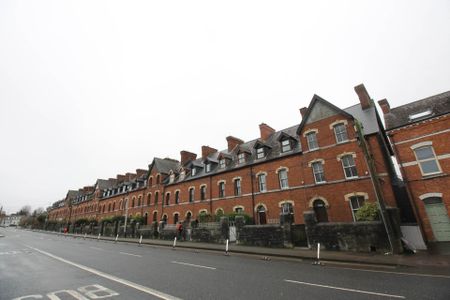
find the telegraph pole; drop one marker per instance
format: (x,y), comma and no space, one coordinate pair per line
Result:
(376,186)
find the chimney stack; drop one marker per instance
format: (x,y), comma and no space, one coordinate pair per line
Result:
(233,142)
(385,107)
(187,156)
(140,172)
(303,111)
(266,131)
(121,178)
(206,150)
(363,95)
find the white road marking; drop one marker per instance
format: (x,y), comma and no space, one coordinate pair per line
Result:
(131,254)
(345,289)
(395,273)
(128,283)
(192,265)
(95,248)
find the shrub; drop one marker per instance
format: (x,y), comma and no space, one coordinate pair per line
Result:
(368,212)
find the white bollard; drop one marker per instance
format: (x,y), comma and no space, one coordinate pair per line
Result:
(226,247)
(85,234)
(140,240)
(317,262)
(117,237)
(174,243)
(98,238)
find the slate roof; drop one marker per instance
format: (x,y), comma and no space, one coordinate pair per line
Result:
(103,184)
(400,116)
(165,165)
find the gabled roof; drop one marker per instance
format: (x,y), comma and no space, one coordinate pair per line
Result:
(314,101)
(401,116)
(164,166)
(260,143)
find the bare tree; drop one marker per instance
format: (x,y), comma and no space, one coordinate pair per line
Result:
(25,211)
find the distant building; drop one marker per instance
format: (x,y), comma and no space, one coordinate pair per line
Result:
(420,136)
(12,220)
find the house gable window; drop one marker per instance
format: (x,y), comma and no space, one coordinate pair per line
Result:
(260,153)
(286,145)
(241,158)
(340,132)
(311,138)
(426,158)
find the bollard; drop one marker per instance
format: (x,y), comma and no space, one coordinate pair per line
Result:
(317,262)
(226,247)
(98,238)
(117,237)
(85,234)
(140,240)
(174,243)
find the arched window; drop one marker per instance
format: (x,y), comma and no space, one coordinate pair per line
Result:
(177,197)
(321,210)
(164,219)
(149,197)
(132,202)
(188,216)
(155,216)
(287,212)
(109,207)
(145,218)
(176,218)
(158,179)
(262,218)
(139,201)
(114,206)
(156,197)
(167,198)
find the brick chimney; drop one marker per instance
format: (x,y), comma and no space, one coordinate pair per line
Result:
(121,178)
(385,107)
(187,156)
(130,176)
(206,150)
(266,131)
(140,172)
(233,142)
(363,95)
(303,111)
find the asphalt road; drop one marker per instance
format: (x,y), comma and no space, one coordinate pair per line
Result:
(44,266)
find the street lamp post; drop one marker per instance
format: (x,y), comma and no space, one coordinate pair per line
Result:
(126,218)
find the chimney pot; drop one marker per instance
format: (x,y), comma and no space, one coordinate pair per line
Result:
(385,107)
(363,95)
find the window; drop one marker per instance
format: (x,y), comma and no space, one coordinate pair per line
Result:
(158,178)
(149,196)
(320,210)
(191,194)
(340,131)
(139,201)
(175,218)
(262,182)
(182,174)
(150,181)
(203,192)
(177,197)
(239,210)
(193,171)
(167,198)
(319,176)
(156,198)
(311,138)
(287,208)
(237,187)
(283,177)
(171,178)
(262,218)
(208,168)
(222,163)
(221,189)
(260,153)
(355,204)
(427,160)
(132,202)
(348,163)
(241,158)
(286,146)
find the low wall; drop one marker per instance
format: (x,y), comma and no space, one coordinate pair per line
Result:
(355,236)
(261,235)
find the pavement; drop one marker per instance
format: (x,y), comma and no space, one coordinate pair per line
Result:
(436,256)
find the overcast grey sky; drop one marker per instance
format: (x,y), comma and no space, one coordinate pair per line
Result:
(91,89)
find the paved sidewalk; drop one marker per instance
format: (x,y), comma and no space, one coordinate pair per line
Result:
(422,259)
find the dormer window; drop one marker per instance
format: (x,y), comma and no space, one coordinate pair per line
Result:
(193,171)
(241,158)
(172,178)
(182,174)
(208,168)
(222,163)
(260,153)
(286,146)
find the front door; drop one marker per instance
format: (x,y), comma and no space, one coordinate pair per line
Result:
(438,218)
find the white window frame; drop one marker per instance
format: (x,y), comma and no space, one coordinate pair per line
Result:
(283,179)
(351,167)
(241,158)
(434,158)
(208,167)
(286,144)
(260,153)
(353,209)
(321,173)
(337,134)
(193,171)
(262,183)
(237,187)
(222,189)
(313,143)
(222,163)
